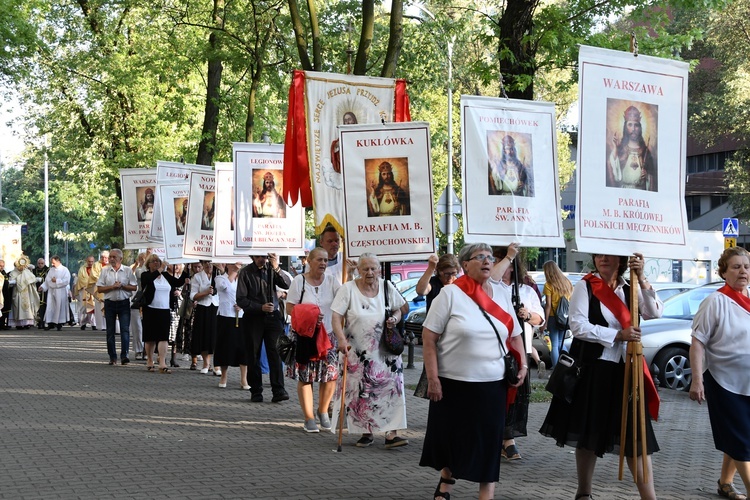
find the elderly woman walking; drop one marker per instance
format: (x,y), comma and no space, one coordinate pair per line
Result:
(721,337)
(374,395)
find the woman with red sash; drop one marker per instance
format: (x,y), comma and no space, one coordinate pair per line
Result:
(721,337)
(601,325)
(463,358)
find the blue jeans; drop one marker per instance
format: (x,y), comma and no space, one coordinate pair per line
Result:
(556,337)
(114,309)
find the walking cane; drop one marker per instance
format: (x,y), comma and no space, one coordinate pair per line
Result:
(343,404)
(633,389)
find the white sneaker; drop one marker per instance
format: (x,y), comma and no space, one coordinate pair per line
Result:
(186,357)
(204,370)
(222,386)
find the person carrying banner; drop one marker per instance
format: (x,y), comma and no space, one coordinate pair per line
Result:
(446,270)
(601,325)
(206,299)
(721,337)
(330,241)
(468,330)
(263,321)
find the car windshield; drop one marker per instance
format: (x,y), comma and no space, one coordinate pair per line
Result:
(684,305)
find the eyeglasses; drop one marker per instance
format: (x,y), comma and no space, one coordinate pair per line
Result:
(482,258)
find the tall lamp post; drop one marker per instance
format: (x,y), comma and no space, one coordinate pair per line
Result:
(46,201)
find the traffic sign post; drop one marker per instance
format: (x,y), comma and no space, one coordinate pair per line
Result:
(730,227)
(730,242)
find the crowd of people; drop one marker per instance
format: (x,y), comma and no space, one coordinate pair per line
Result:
(482,308)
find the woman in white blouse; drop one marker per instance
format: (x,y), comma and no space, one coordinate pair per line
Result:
(721,337)
(315,287)
(230,346)
(157,287)
(206,300)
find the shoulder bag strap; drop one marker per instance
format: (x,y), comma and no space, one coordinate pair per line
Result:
(302,294)
(497,334)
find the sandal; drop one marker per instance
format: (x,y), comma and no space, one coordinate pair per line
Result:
(727,490)
(443,494)
(165,370)
(150,368)
(510,452)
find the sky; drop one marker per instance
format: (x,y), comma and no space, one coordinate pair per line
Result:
(11,145)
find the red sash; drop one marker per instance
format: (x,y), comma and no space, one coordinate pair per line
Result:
(736,296)
(478,295)
(611,301)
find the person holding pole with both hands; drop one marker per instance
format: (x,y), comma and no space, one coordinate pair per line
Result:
(600,320)
(718,357)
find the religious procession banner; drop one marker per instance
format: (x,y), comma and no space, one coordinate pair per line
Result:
(201,217)
(631,155)
(511,190)
(318,102)
(169,172)
(265,223)
(224,221)
(138,187)
(387,185)
(173,199)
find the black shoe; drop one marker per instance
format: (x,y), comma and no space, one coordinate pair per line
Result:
(173,364)
(124,361)
(278,398)
(256,398)
(59,327)
(83,327)
(47,327)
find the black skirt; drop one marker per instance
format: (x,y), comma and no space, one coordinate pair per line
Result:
(204,329)
(592,421)
(230,343)
(729,423)
(465,430)
(155,324)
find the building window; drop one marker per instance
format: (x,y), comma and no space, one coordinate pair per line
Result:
(718,200)
(693,206)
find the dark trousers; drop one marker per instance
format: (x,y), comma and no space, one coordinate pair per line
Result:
(114,309)
(260,329)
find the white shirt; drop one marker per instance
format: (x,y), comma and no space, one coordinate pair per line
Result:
(227,296)
(322,295)
(199,284)
(109,276)
(468,349)
(161,296)
(723,327)
(649,306)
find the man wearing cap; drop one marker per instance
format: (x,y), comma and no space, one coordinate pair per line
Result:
(630,163)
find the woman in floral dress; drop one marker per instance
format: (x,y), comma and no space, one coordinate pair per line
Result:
(374,395)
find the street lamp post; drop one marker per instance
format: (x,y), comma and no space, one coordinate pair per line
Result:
(46,201)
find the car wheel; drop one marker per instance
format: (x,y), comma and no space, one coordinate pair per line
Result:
(673,364)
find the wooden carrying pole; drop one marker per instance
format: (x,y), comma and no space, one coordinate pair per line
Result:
(632,392)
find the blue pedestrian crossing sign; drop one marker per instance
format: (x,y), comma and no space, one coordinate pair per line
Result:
(730,227)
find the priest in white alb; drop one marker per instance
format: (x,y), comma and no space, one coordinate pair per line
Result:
(56,285)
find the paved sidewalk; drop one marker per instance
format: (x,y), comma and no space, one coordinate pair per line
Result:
(71,426)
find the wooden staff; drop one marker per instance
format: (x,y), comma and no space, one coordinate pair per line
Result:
(634,380)
(342,409)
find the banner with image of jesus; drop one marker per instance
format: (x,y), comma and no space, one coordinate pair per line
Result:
(265,223)
(138,196)
(631,154)
(201,218)
(387,183)
(509,162)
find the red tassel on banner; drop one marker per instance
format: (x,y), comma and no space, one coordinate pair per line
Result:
(402,112)
(296,163)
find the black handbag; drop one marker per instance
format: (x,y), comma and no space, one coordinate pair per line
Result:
(286,346)
(137,301)
(391,341)
(562,383)
(511,363)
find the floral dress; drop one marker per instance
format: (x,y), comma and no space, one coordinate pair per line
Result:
(375,399)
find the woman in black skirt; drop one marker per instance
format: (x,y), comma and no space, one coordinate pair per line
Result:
(204,295)
(230,344)
(157,287)
(721,336)
(469,328)
(600,322)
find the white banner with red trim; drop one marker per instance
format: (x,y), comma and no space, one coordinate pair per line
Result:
(631,155)
(318,102)
(509,161)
